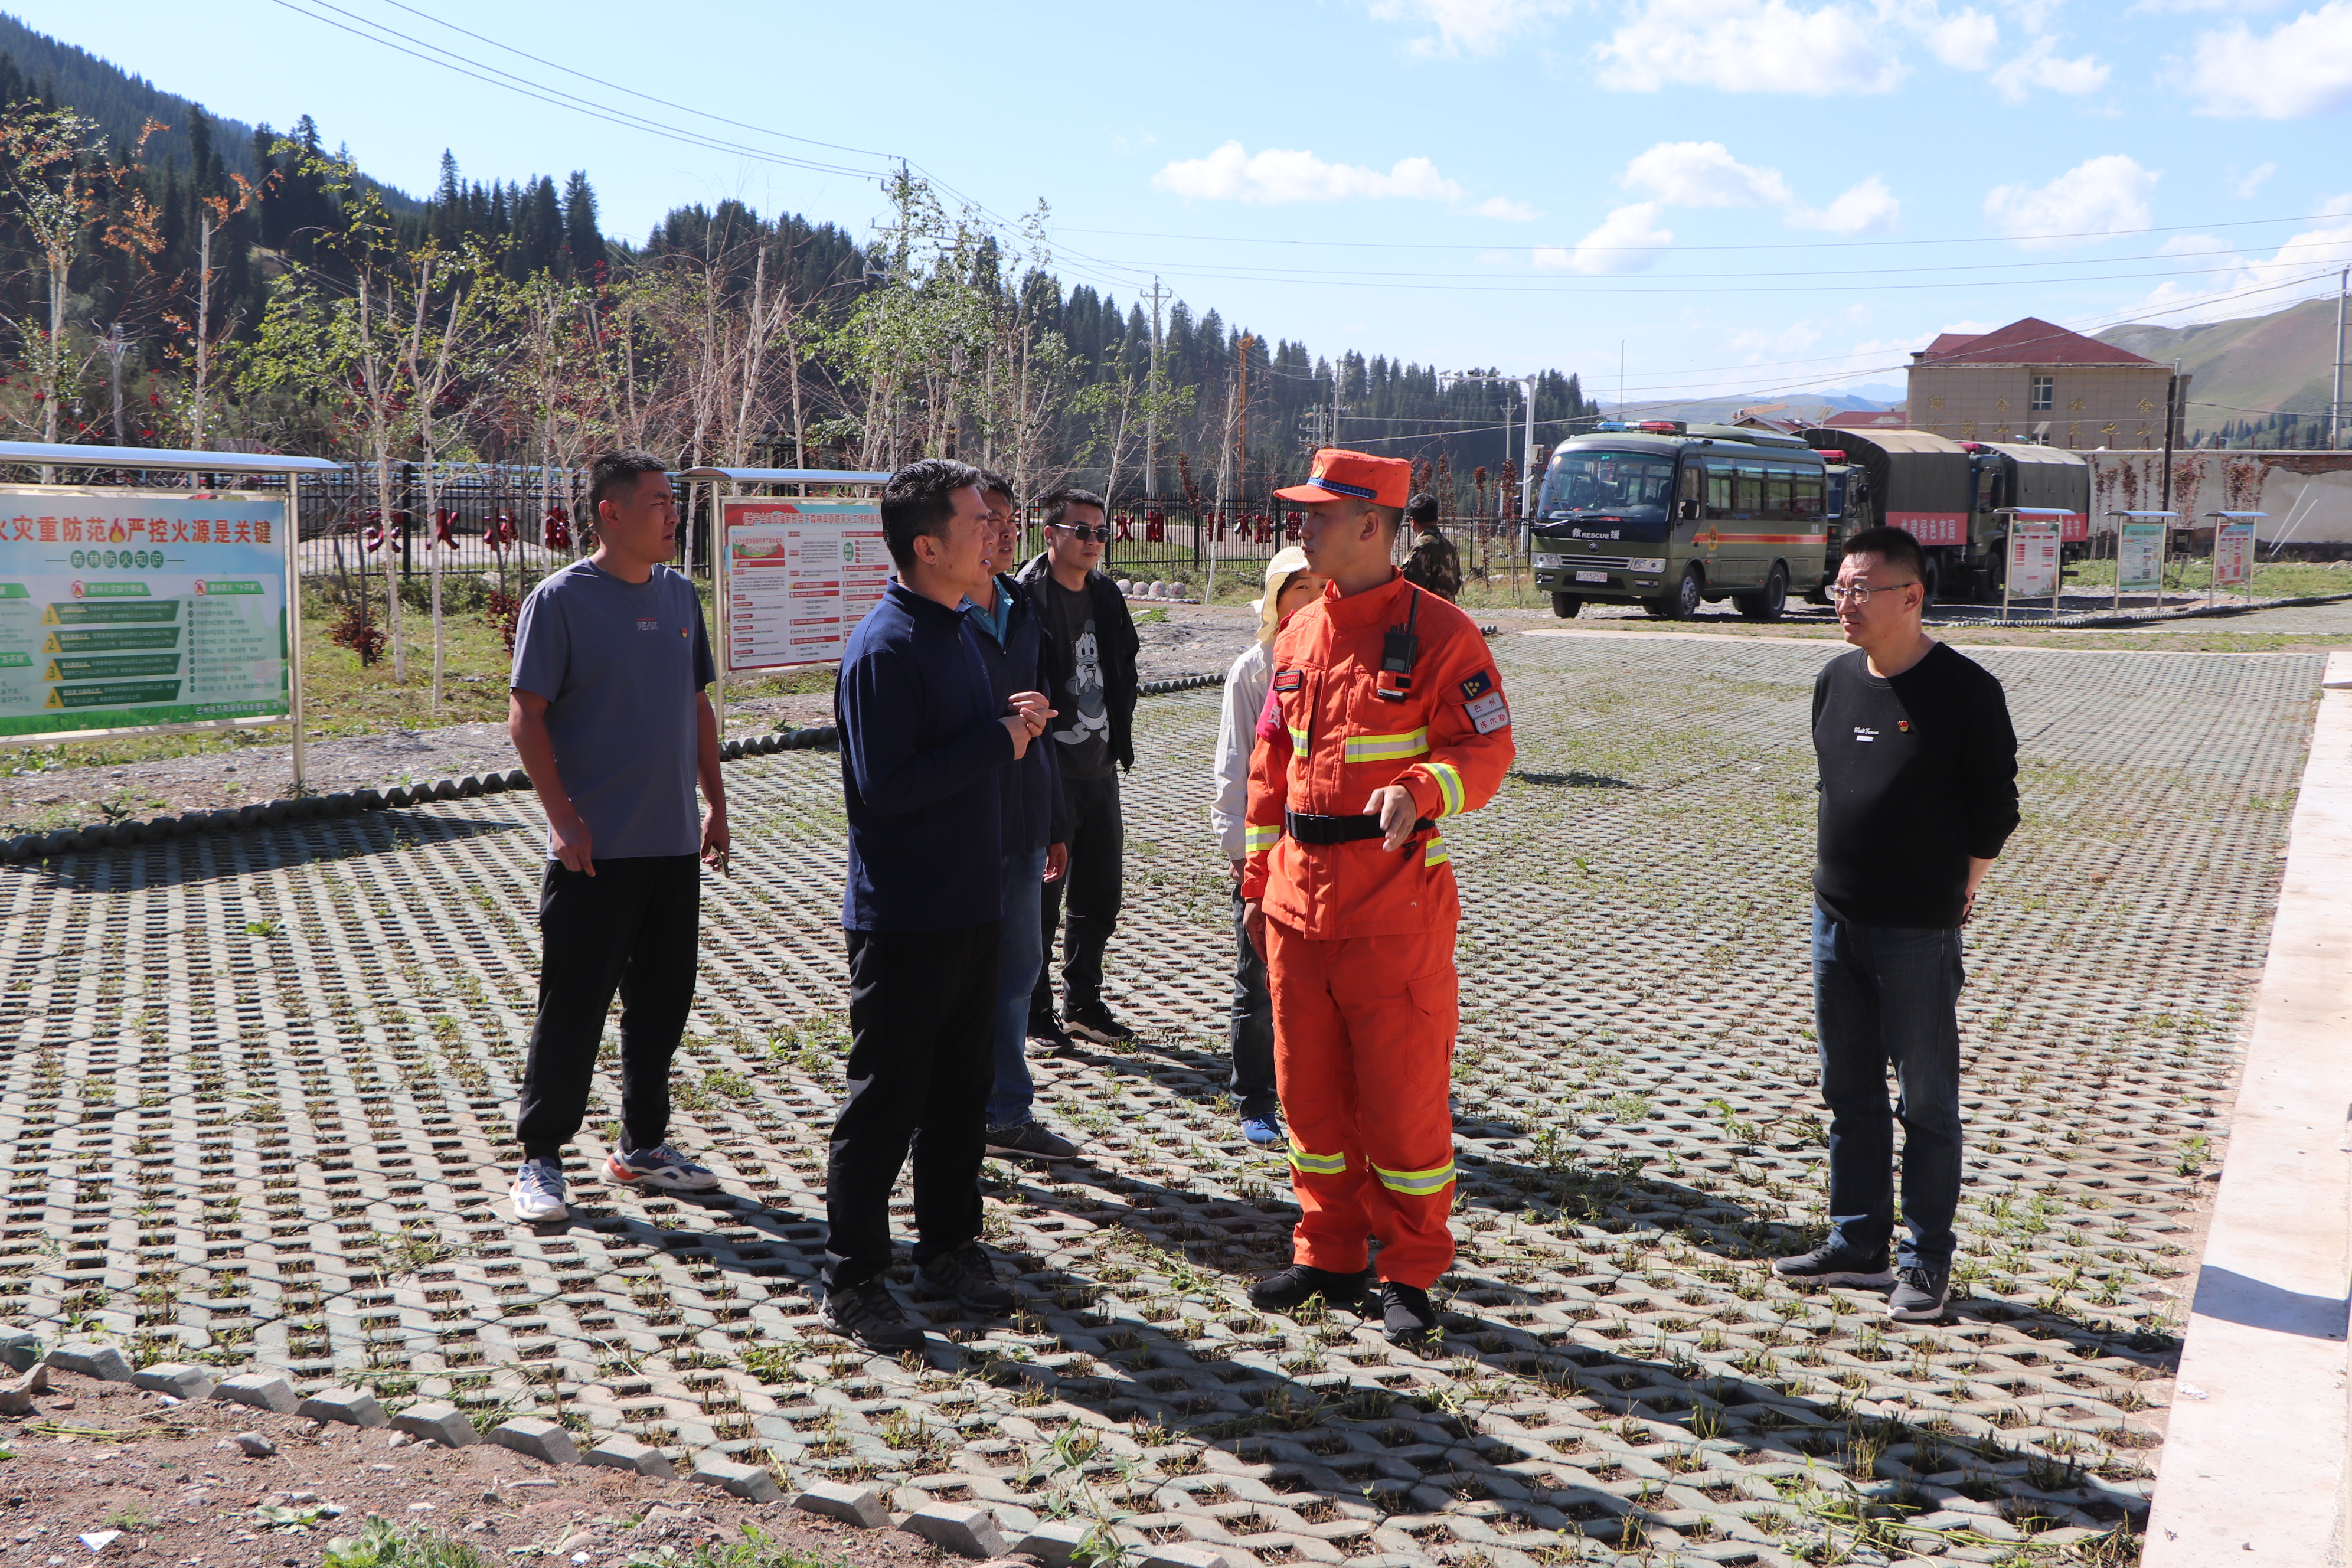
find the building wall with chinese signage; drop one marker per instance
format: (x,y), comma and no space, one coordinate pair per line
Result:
(121,609)
(2117,406)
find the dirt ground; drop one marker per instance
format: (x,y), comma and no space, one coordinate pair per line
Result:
(154,1480)
(1178,639)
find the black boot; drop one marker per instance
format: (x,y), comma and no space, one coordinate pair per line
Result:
(1291,1288)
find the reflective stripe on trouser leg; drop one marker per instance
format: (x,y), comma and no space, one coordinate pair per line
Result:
(1317,1087)
(1376,1011)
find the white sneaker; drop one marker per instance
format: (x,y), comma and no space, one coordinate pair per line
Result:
(538,1191)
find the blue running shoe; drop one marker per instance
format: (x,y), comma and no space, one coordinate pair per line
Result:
(1265,1131)
(663,1167)
(538,1191)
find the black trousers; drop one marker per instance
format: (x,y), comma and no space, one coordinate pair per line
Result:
(633,928)
(1250,1025)
(1092,885)
(922,1058)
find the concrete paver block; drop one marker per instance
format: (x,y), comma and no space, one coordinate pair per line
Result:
(1177,1554)
(1054,1543)
(177,1379)
(540,1439)
(627,1454)
(743,1480)
(351,1406)
(20,1347)
(860,1506)
(91,1361)
(262,1390)
(958,1528)
(442,1424)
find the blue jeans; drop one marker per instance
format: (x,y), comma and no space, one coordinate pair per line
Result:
(1020,953)
(1881,996)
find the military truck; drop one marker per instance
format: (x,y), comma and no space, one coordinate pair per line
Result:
(1670,516)
(1911,480)
(2006,475)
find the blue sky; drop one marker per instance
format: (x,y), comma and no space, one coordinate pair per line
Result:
(1750,195)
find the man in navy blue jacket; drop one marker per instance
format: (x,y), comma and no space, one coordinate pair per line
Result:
(1036,847)
(925,740)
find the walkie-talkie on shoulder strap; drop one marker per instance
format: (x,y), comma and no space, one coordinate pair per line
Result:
(1399,651)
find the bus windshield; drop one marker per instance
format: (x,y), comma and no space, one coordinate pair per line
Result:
(1637,486)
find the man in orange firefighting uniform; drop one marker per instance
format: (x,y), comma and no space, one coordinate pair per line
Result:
(1386,717)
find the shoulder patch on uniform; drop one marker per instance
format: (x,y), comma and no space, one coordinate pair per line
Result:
(1489,712)
(1289,680)
(1477,685)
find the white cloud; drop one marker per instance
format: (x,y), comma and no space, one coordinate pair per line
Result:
(2282,278)
(2097,195)
(2298,69)
(1964,42)
(1278,176)
(1507,210)
(1867,208)
(2244,186)
(1748,46)
(1626,241)
(2041,67)
(1469,27)
(1703,175)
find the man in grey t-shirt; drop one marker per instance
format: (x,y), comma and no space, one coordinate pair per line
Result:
(607,712)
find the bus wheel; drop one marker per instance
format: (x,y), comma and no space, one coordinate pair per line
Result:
(1683,602)
(1565,605)
(1768,605)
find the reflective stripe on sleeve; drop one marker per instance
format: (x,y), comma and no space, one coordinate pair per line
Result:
(1419,1183)
(1317,1164)
(1298,738)
(1387,748)
(1256,837)
(1449,787)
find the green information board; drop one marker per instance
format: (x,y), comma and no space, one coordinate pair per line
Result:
(128,609)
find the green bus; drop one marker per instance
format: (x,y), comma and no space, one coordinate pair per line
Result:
(1670,516)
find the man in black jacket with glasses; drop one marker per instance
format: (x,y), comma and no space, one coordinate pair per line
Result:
(1090,649)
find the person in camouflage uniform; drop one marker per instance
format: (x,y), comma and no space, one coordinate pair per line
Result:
(1432,565)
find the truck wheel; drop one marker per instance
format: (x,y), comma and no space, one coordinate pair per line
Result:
(1931,580)
(1768,605)
(1683,602)
(1565,605)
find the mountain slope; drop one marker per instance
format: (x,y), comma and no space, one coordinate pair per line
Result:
(121,104)
(2282,363)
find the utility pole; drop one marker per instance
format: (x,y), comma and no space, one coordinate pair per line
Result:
(1335,403)
(2171,414)
(1528,475)
(2336,407)
(1151,403)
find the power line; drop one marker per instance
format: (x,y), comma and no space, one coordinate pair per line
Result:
(1774,245)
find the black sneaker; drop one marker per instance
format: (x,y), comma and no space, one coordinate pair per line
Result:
(1831,1265)
(1407,1317)
(1046,1031)
(968,1275)
(1920,1294)
(1094,1022)
(1030,1140)
(870,1315)
(1291,1288)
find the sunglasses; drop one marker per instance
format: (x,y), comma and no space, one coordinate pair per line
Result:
(1079,531)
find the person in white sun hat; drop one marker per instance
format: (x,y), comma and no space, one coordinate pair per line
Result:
(1290,582)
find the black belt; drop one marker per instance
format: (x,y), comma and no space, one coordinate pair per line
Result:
(1311,829)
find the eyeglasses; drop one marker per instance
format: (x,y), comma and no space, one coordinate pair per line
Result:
(1079,531)
(1860,592)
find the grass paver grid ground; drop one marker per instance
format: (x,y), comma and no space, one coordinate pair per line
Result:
(258,1104)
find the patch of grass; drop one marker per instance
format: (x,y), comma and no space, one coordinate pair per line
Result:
(384,1545)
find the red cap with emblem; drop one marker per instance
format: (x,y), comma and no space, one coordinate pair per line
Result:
(1384,481)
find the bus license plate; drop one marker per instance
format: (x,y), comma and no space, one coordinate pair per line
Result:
(1592,576)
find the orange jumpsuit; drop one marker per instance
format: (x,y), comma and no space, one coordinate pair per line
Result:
(1360,940)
